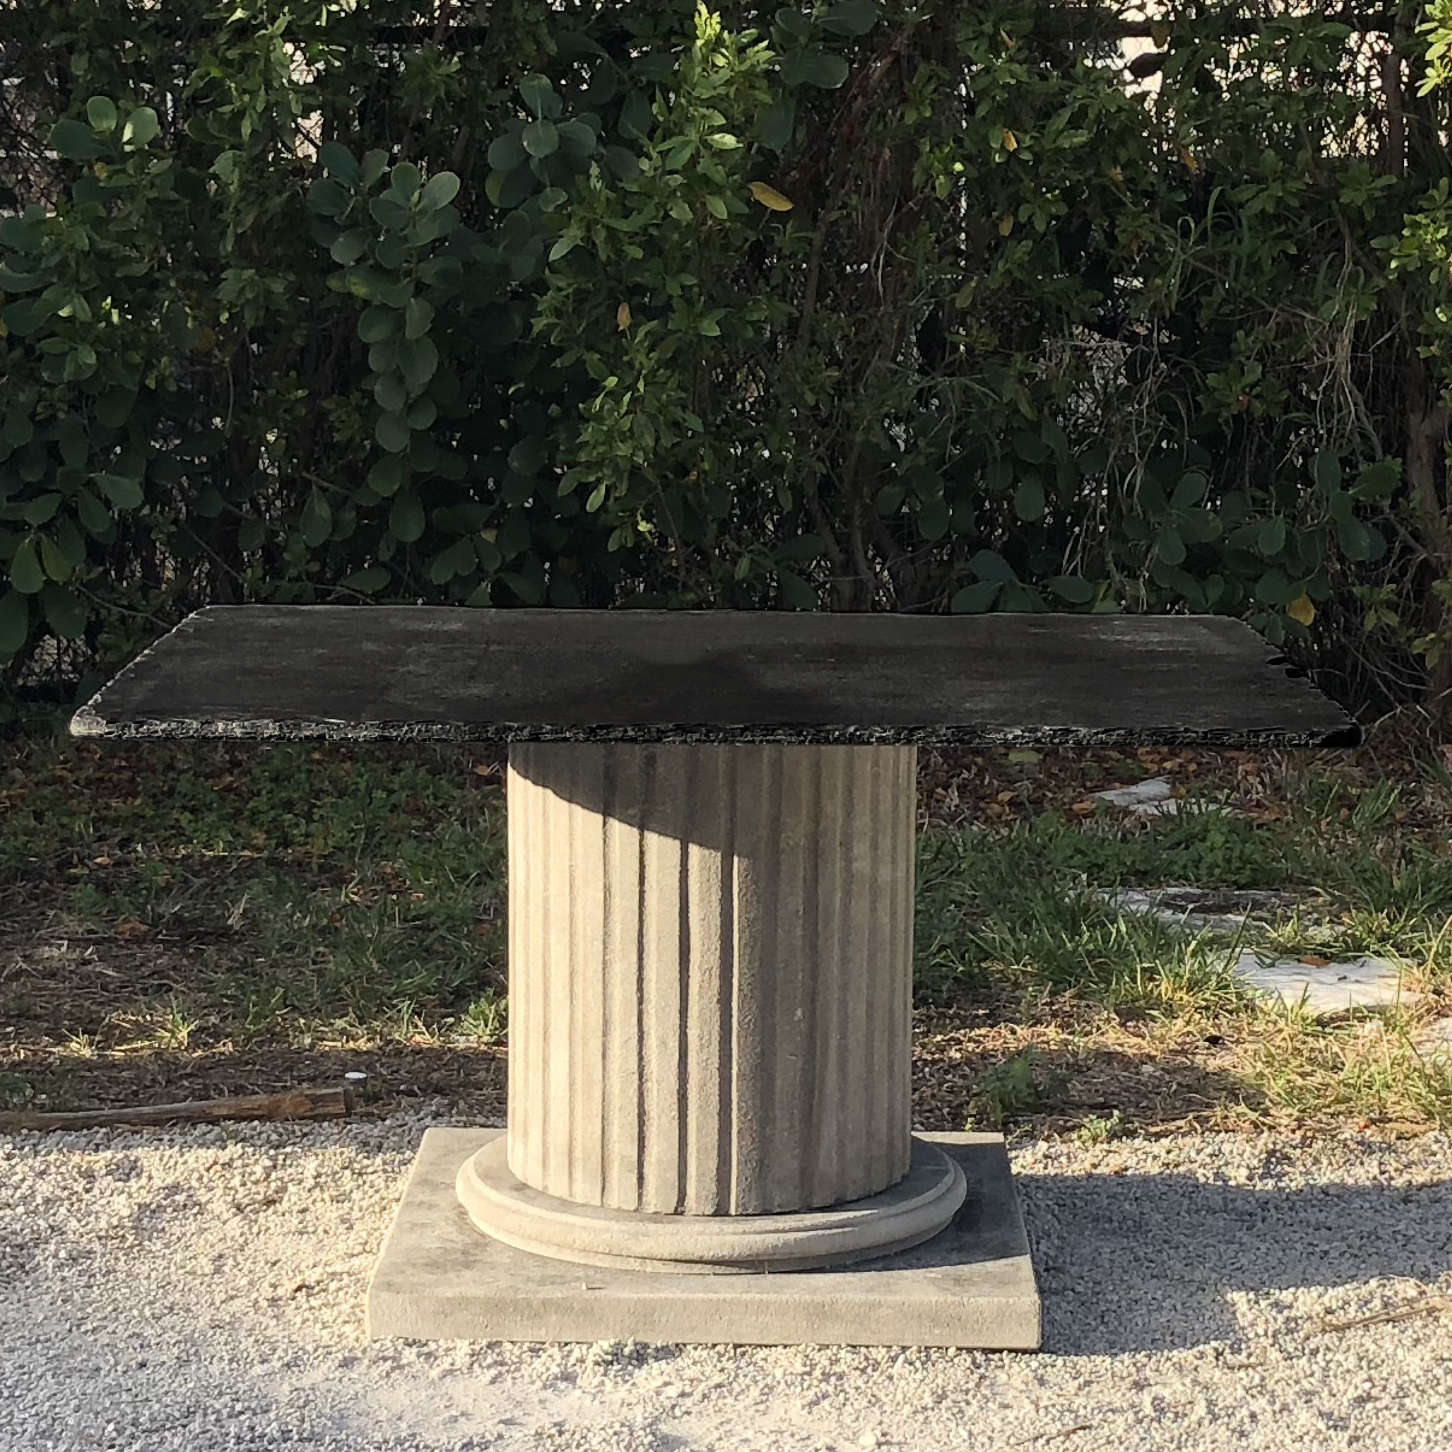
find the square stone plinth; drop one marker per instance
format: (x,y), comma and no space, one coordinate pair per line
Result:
(972,1285)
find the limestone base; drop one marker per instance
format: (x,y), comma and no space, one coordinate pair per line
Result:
(971,1285)
(904,1215)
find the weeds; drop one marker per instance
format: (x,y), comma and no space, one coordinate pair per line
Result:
(232,895)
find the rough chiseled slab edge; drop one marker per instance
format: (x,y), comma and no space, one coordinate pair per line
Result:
(438,1278)
(87,723)
(1320,722)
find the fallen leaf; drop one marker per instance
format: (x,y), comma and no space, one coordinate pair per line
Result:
(1302,609)
(1010,141)
(769,197)
(1315,960)
(1005,224)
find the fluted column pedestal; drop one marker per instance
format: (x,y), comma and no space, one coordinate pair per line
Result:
(710,960)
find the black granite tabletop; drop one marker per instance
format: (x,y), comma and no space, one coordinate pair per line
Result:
(431,673)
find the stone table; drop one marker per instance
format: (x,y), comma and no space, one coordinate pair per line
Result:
(711,819)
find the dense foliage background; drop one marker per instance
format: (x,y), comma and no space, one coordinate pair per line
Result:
(839,305)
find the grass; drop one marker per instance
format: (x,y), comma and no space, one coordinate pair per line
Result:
(182,918)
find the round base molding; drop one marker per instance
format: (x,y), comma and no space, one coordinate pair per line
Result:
(906,1214)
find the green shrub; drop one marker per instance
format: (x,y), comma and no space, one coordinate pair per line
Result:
(844,304)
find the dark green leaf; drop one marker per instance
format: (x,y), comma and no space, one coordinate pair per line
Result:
(815,68)
(377,324)
(24,316)
(1171,547)
(1328,471)
(406,518)
(794,23)
(418,359)
(852,17)
(974,599)
(57,566)
(65,614)
(508,189)
(1072,588)
(1028,498)
(21,233)
(14,622)
(75,141)
(440,190)
(528,456)
(1355,541)
(367,581)
(1378,481)
(990,565)
(637,119)
(338,161)
(507,151)
(1270,589)
(578,139)
(405,178)
(113,407)
(795,591)
(539,96)
(390,391)
(141,128)
(92,513)
(349,247)
(101,113)
(933,519)
(416,317)
(387,211)
(775,124)
(998,476)
(391,431)
(386,475)
(541,138)
(327,197)
(1272,537)
(374,164)
(73,440)
(804,547)
(1030,447)
(317,519)
(123,493)
(527,587)
(26,574)
(1190,490)
(624,164)
(41,510)
(209,503)
(890,498)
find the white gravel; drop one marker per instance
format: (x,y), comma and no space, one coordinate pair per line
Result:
(203,1290)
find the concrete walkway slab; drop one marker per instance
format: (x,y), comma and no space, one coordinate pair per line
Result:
(1329,987)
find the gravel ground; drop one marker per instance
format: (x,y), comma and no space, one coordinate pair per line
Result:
(203,1290)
